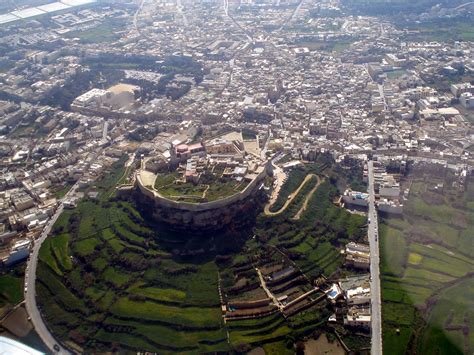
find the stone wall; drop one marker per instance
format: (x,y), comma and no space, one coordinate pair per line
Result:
(205,206)
(206,215)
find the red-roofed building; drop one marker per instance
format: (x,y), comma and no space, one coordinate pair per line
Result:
(184,151)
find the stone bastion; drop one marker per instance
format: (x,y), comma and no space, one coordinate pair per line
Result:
(205,215)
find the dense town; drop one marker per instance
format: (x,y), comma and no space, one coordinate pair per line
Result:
(274,82)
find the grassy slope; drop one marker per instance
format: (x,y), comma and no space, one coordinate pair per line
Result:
(127,291)
(11,289)
(454,307)
(94,287)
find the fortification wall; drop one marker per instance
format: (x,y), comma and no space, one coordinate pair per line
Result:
(204,206)
(206,215)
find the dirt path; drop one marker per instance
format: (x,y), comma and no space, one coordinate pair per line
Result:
(205,191)
(280,177)
(290,200)
(267,291)
(306,201)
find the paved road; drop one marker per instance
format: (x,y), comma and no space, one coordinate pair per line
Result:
(376,305)
(263,152)
(293,14)
(464,5)
(105,131)
(382,95)
(30,279)
(180,7)
(226,11)
(135,17)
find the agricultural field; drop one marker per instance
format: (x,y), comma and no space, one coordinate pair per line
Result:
(394,8)
(6,65)
(426,264)
(62,191)
(111,279)
(441,30)
(106,280)
(11,286)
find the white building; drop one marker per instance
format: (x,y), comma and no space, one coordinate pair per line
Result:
(467,100)
(357,320)
(458,89)
(96,96)
(355,198)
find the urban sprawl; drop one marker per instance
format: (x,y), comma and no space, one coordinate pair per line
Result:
(226,93)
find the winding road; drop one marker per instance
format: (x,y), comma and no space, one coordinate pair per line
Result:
(306,201)
(292,196)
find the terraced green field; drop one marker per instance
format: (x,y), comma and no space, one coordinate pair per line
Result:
(109,280)
(425,261)
(104,280)
(273,332)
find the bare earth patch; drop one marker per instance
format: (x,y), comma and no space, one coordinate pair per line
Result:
(17,323)
(323,346)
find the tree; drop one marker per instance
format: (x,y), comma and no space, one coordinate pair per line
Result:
(242,348)
(300,347)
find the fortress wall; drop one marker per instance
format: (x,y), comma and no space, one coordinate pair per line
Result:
(162,201)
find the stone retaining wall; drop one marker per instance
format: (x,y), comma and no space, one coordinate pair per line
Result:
(207,215)
(204,206)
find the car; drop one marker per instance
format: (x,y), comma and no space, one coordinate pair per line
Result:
(56,347)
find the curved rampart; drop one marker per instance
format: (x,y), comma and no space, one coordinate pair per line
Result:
(203,206)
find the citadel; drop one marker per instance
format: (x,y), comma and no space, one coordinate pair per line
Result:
(203,185)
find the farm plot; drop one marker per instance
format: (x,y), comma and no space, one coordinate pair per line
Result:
(423,255)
